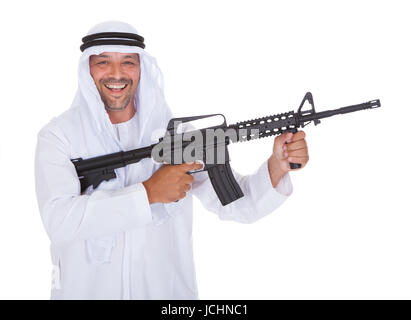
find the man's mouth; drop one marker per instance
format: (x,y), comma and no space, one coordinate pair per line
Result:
(116,87)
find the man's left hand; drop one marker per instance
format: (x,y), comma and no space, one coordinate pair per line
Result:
(287,148)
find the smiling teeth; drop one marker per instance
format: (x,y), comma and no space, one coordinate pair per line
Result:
(113,86)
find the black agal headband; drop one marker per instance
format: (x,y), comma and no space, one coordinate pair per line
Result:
(104,38)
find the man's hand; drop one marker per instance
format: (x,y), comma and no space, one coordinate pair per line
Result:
(170,183)
(287,148)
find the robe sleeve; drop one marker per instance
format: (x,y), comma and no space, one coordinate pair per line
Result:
(69,216)
(260,198)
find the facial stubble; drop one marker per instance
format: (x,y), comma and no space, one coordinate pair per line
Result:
(105,99)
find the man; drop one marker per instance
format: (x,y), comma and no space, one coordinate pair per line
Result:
(130,238)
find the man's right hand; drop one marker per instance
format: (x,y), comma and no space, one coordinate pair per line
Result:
(170,183)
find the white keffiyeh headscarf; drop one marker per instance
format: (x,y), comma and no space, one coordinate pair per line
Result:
(151,108)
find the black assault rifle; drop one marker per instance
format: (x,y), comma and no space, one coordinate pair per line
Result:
(95,170)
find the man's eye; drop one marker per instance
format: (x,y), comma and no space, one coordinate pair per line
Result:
(102,62)
(129,62)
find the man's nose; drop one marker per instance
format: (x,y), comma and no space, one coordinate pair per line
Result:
(115,71)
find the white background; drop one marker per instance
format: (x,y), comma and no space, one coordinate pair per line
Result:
(346,230)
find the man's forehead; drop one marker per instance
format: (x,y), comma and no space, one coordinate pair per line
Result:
(117,54)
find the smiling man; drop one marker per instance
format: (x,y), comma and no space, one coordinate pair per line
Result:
(116,76)
(130,238)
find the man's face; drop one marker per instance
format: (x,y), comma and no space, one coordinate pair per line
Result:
(116,76)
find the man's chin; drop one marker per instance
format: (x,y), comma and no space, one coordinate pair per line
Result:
(115,108)
(117,105)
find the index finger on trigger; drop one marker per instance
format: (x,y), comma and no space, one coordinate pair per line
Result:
(190,166)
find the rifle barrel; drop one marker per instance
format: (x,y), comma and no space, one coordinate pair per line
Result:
(328,113)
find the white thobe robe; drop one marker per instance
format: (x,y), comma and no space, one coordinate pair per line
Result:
(110,243)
